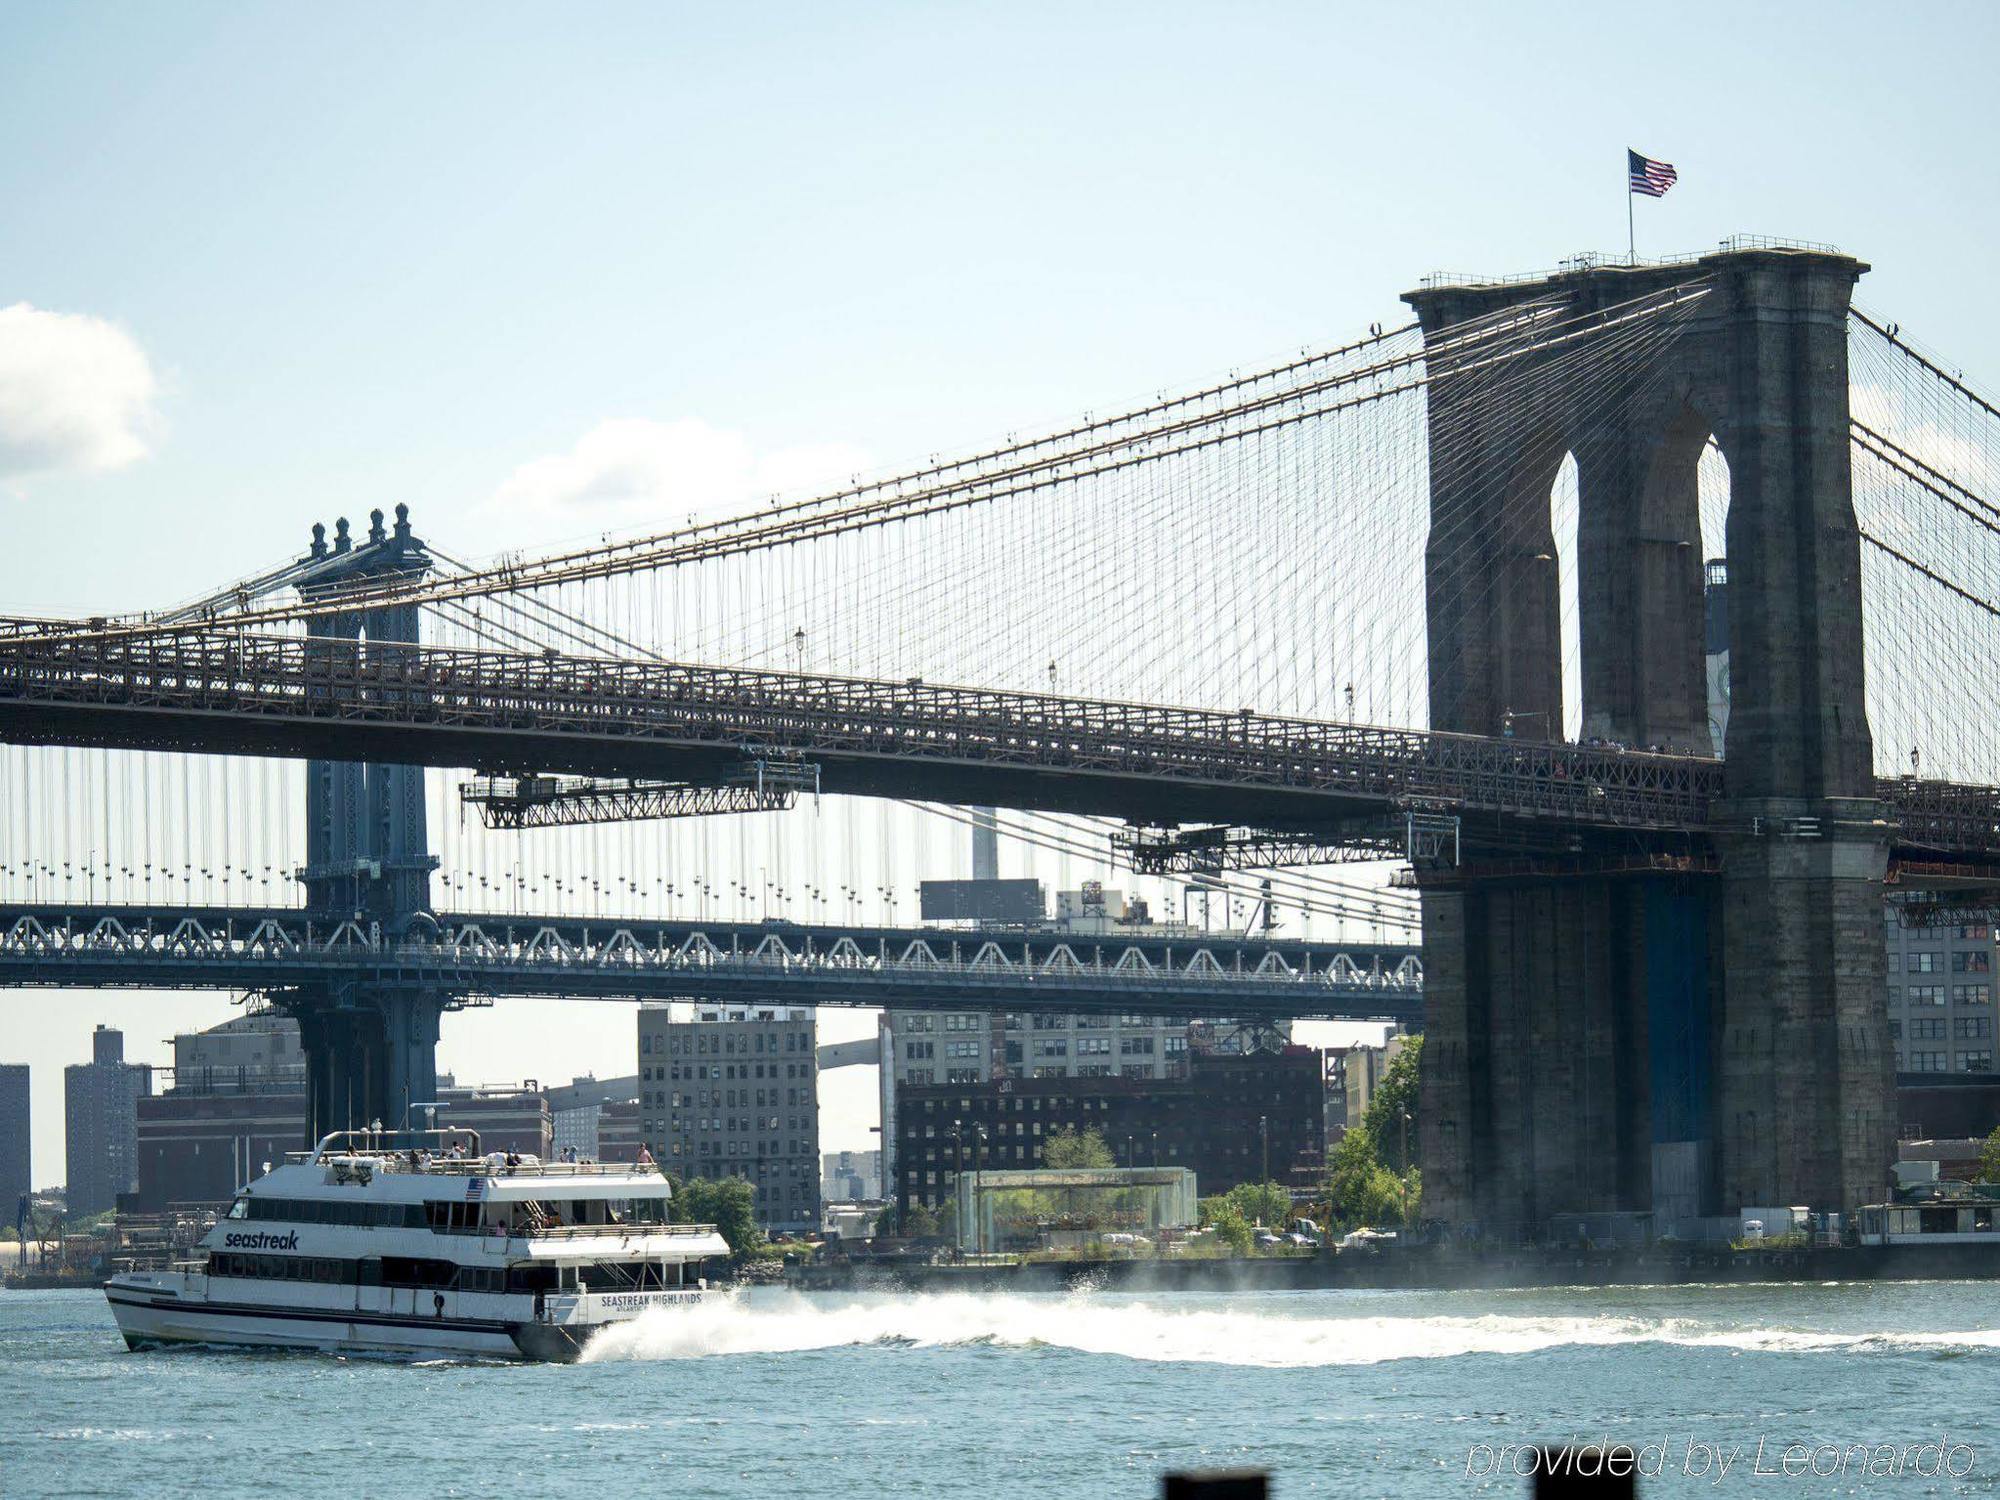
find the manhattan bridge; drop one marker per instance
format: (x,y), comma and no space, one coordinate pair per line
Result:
(1442,600)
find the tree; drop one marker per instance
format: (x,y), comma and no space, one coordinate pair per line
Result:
(885,1221)
(1065,1149)
(1397,1095)
(726,1202)
(1989,1158)
(1266,1203)
(1230,1226)
(1359,1189)
(919,1223)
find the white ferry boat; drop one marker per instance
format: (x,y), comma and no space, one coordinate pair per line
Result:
(430,1249)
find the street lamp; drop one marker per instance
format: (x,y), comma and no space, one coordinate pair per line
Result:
(1405,1117)
(978,1165)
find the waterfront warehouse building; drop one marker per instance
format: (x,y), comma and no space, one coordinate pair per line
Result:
(733,1091)
(100,1124)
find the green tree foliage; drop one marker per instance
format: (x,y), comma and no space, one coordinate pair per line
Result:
(919,1223)
(885,1221)
(1359,1189)
(1989,1158)
(1236,1214)
(726,1202)
(1265,1203)
(1395,1097)
(1065,1149)
(1230,1226)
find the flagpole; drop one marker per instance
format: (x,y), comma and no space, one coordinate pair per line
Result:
(1631,234)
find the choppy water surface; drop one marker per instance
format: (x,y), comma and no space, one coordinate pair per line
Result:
(1338,1393)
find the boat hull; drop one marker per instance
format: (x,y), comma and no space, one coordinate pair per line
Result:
(157,1311)
(152,1322)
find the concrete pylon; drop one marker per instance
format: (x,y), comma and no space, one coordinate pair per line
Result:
(1744,1007)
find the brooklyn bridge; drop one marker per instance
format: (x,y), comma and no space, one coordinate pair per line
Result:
(1614,624)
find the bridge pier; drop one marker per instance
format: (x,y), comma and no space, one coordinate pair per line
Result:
(1805,1068)
(369,1056)
(1535,1062)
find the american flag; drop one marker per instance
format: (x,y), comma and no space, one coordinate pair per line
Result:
(1650,177)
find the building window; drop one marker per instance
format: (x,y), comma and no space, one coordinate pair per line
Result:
(1968,1028)
(1971,994)
(1926,994)
(1927,1031)
(1927,1062)
(1975,1062)
(1978,961)
(1926,963)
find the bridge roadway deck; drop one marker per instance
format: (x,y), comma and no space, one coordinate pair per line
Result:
(218,691)
(496,956)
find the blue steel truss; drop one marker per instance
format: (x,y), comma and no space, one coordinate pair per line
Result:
(275,950)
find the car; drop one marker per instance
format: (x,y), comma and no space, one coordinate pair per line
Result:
(1304,1240)
(1265,1237)
(1366,1239)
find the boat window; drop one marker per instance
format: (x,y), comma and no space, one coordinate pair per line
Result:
(405,1270)
(531,1278)
(240,1208)
(611,1276)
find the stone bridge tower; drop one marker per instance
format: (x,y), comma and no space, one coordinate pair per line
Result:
(1613,1037)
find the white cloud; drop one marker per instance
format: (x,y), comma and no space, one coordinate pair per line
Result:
(75,393)
(634,472)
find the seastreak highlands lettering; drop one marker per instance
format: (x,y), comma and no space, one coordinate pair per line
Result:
(262,1240)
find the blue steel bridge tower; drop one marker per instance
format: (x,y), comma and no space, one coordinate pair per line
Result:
(370,1044)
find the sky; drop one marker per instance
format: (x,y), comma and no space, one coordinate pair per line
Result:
(542,271)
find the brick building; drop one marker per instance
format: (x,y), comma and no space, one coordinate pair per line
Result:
(1232,1118)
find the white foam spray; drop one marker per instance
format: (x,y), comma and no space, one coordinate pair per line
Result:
(1166,1331)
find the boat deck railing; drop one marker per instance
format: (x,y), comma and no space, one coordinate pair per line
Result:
(485,1166)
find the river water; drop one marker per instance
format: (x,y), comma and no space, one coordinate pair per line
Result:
(1086,1395)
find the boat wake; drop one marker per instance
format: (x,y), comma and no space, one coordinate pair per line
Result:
(786,1323)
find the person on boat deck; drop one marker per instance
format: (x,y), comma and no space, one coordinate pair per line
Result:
(513,1159)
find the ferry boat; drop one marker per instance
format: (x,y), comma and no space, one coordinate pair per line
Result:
(427,1248)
